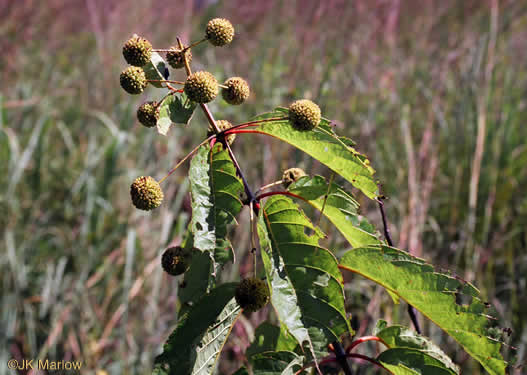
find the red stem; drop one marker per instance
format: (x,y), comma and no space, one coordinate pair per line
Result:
(257,122)
(236,131)
(364,339)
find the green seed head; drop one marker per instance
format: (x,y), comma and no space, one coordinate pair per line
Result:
(175,260)
(219,32)
(252,294)
(222,125)
(133,80)
(292,175)
(176,57)
(148,114)
(237,91)
(137,51)
(304,115)
(201,87)
(146,193)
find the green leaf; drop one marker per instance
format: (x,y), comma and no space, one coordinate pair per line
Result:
(322,144)
(276,363)
(269,337)
(202,222)
(215,192)
(406,361)
(397,336)
(175,109)
(304,279)
(434,295)
(155,69)
(196,343)
(340,208)
(198,279)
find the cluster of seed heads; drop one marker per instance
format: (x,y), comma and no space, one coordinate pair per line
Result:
(200,87)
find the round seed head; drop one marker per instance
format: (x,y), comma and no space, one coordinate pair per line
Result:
(219,32)
(222,125)
(292,175)
(237,91)
(252,294)
(175,260)
(176,57)
(148,114)
(146,193)
(304,115)
(137,51)
(133,80)
(201,87)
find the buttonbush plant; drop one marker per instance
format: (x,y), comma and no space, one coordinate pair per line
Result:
(302,281)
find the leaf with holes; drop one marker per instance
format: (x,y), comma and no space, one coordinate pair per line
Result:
(304,279)
(434,295)
(322,144)
(215,190)
(196,343)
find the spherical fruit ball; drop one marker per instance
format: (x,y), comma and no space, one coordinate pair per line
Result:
(222,125)
(148,114)
(304,115)
(176,57)
(137,51)
(175,260)
(237,91)
(252,294)
(133,80)
(146,193)
(219,32)
(201,87)
(292,175)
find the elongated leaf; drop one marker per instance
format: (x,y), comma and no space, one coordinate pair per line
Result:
(202,223)
(397,336)
(276,363)
(198,279)
(322,144)
(434,295)
(406,361)
(196,343)
(305,282)
(155,69)
(215,200)
(175,109)
(340,209)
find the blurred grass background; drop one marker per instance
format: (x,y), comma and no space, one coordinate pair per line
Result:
(434,92)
